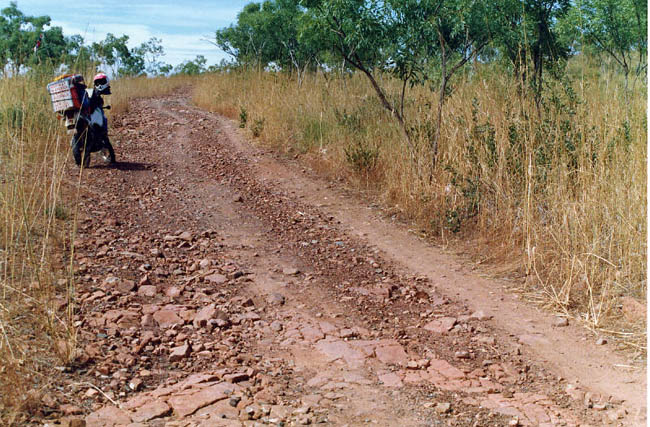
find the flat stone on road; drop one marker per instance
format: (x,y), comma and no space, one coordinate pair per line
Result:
(184,405)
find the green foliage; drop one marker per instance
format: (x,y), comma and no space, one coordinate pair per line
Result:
(193,67)
(151,51)
(356,30)
(274,32)
(623,138)
(24,41)
(361,156)
(529,36)
(514,152)
(165,69)
(351,121)
(114,52)
(617,28)
(243,117)
(419,41)
(12,117)
(460,209)
(314,131)
(78,56)
(453,220)
(60,212)
(258,127)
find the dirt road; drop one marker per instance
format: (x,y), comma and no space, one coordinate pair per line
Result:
(219,285)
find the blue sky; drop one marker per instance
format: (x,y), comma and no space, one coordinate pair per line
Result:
(182,24)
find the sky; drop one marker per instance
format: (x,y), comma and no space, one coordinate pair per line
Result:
(183,25)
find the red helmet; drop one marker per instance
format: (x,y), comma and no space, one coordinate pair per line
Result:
(102,84)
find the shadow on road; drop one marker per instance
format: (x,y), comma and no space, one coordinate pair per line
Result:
(126,166)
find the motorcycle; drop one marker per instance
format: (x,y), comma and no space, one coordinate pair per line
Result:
(83,111)
(91,134)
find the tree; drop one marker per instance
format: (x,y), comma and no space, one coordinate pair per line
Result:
(24,41)
(114,52)
(544,42)
(152,50)
(417,40)
(359,31)
(165,69)
(617,28)
(528,33)
(193,67)
(78,55)
(277,32)
(247,41)
(462,29)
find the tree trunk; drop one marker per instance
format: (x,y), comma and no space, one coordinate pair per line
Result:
(401,107)
(441,101)
(386,104)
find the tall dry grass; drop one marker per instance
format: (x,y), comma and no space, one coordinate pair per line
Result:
(555,196)
(36,332)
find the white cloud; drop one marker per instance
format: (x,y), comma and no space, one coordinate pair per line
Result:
(182,25)
(186,15)
(178,47)
(96,32)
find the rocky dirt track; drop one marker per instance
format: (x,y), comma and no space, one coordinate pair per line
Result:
(212,294)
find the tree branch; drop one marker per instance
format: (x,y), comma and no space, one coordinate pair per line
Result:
(607,49)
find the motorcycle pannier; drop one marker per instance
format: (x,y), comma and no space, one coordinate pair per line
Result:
(66,92)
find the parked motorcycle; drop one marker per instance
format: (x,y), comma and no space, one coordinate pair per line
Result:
(83,111)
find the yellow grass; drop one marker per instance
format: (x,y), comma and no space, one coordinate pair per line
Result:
(558,196)
(35,335)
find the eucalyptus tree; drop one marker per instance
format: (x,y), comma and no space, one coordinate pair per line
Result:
(192,67)
(459,29)
(419,41)
(528,34)
(114,52)
(25,40)
(247,41)
(152,50)
(79,56)
(125,61)
(273,32)
(617,28)
(361,33)
(544,42)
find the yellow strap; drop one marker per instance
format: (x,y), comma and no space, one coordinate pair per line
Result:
(63,76)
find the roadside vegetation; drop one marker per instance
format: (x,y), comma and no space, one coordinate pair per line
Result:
(37,280)
(35,336)
(37,292)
